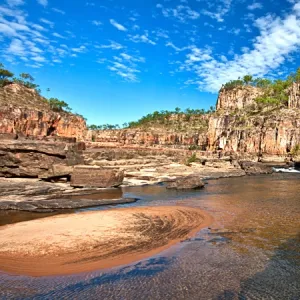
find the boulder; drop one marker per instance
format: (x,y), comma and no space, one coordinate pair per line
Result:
(38,159)
(253,168)
(94,176)
(188,182)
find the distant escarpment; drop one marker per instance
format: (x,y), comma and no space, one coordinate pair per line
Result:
(249,119)
(23,113)
(175,130)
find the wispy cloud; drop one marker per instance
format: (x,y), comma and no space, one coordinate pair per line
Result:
(59,11)
(15,2)
(97,23)
(43,2)
(58,35)
(141,38)
(255,5)
(113,45)
(51,24)
(219,9)
(117,25)
(278,38)
(80,49)
(181,12)
(125,66)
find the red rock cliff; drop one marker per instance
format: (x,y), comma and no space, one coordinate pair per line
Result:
(25,112)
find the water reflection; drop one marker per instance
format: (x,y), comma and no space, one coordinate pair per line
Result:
(251,251)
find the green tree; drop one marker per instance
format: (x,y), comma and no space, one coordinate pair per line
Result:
(93,127)
(4,75)
(59,105)
(28,81)
(248,79)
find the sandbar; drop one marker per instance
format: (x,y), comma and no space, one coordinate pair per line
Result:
(82,242)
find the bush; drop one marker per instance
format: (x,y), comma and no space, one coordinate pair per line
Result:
(191,159)
(5,76)
(296,150)
(59,105)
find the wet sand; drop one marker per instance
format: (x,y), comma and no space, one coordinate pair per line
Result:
(75,243)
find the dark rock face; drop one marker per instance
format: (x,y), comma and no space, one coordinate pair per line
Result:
(185,183)
(253,168)
(91,176)
(38,159)
(40,196)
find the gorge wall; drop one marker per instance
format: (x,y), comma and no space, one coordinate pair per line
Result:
(177,131)
(236,126)
(23,112)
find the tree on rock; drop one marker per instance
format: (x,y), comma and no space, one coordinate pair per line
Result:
(248,79)
(28,81)
(4,75)
(59,105)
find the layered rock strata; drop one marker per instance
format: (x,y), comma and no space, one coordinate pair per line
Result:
(38,159)
(24,112)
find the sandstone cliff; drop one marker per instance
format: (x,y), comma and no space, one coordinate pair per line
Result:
(177,131)
(237,127)
(237,98)
(25,113)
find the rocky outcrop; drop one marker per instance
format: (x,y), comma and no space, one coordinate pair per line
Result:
(25,113)
(40,196)
(254,168)
(294,95)
(142,137)
(93,176)
(37,159)
(273,133)
(186,183)
(237,98)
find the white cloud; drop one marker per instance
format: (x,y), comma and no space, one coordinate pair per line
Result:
(97,23)
(279,37)
(255,5)
(181,12)
(59,11)
(124,65)
(141,38)
(113,45)
(15,2)
(51,24)
(16,47)
(117,25)
(7,30)
(221,8)
(43,2)
(79,49)
(170,44)
(38,58)
(58,35)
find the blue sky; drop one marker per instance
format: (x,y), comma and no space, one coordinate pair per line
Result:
(114,61)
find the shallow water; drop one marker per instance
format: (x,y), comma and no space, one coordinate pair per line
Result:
(251,251)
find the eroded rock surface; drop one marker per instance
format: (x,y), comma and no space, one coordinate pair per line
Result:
(24,112)
(93,176)
(186,183)
(38,159)
(40,196)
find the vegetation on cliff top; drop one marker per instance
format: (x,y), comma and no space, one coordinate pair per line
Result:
(164,117)
(275,92)
(25,79)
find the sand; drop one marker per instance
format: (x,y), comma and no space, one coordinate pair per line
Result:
(75,243)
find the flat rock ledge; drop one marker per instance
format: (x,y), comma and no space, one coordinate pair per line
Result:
(40,196)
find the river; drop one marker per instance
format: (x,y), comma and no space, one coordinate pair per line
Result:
(251,251)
